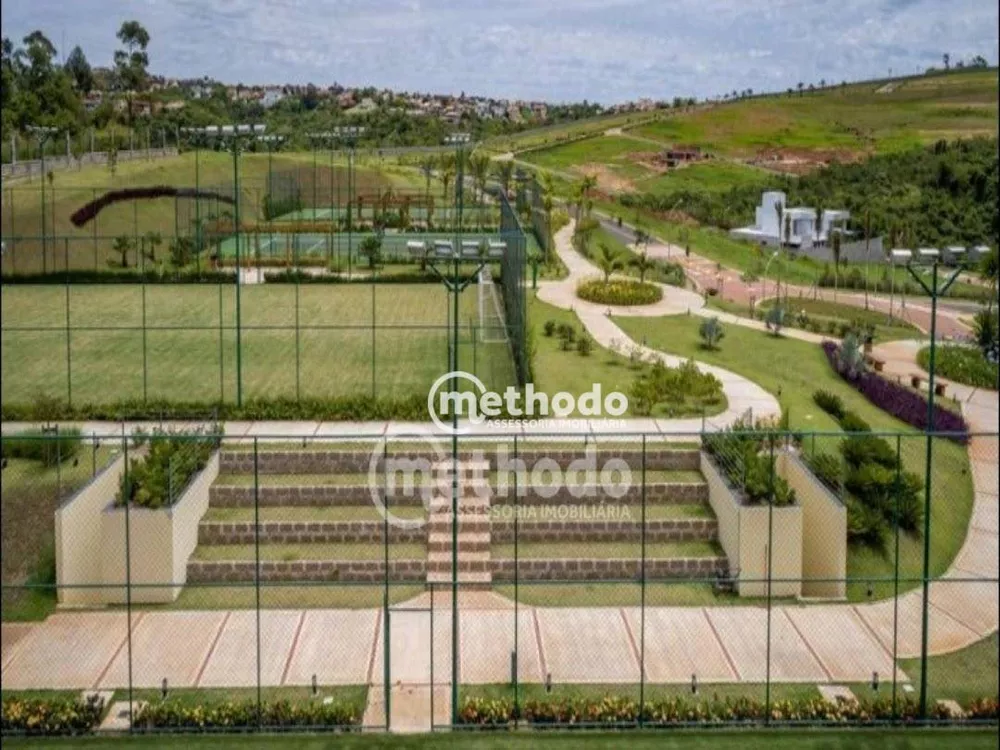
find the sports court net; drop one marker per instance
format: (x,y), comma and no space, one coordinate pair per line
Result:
(492,325)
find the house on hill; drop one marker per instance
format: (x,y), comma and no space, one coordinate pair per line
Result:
(776,223)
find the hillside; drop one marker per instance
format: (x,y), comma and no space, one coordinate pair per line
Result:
(790,133)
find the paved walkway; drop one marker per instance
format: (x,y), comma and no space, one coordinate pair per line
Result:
(705,274)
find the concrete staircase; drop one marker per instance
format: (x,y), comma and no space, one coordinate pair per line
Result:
(471,533)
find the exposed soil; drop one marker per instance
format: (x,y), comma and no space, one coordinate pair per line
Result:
(803,161)
(607,180)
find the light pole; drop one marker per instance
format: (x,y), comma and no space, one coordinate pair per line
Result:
(42,134)
(928,258)
(349,134)
(272,142)
(455,286)
(236,137)
(195,135)
(763,278)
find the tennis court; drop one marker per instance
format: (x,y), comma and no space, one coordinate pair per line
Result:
(335,246)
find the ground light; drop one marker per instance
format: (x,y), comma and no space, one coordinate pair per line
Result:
(929,258)
(236,137)
(42,134)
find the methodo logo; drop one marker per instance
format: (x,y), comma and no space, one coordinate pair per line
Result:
(478,404)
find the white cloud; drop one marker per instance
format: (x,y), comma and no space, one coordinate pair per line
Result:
(605,50)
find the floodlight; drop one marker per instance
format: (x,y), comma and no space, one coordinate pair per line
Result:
(42,130)
(497,249)
(457,139)
(981,250)
(348,131)
(929,253)
(901,256)
(272,138)
(444,249)
(416,248)
(955,253)
(470,249)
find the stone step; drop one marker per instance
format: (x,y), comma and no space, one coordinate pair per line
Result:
(467,561)
(467,542)
(467,580)
(313,532)
(659,530)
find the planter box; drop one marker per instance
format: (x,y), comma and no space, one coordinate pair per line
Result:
(824,530)
(745,532)
(160,543)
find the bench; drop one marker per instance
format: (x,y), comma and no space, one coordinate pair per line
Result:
(939,388)
(916,380)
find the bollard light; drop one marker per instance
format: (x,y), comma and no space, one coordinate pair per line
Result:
(164,688)
(694,684)
(315,686)
(548,682)
(875,681)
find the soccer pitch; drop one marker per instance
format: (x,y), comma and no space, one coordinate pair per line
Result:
(179,342)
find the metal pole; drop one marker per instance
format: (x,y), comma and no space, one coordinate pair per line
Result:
(239,282)
(69,350)
(45,241)
(256,568)
(642,594)
(770,552)
(895,578)
(385,598)
(924,639)
(145,397)
(128,576)
(517,706)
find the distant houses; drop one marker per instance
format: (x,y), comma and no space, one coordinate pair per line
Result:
(775,223)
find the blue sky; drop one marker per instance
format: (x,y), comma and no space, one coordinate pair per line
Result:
(558,50)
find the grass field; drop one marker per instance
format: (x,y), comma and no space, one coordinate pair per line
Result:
(793,370)
(798,739)
(823,311)
(604,151)
(188,352)
(703,177)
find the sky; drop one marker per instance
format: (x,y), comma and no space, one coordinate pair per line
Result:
(554,50)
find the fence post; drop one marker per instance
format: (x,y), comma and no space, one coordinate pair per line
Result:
(145,367)
(386,670)
(69,350)
(642,594)
(127,499)
(256,569)
(517,653)
(895,578)
(222,353)
(770,553)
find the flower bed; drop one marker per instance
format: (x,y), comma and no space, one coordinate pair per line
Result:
(740,452)
(618,711)
(236,714)
(898,400)
(620,292)
(51,716)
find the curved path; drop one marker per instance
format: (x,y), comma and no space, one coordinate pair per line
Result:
(742,394)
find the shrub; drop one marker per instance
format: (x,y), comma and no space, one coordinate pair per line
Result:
(49,448)
(742,454)
(851,422)
(584,345)
(159,478)
(623,292)
(549,328)
(865,525)
(231,714)
(831,403)
(51,716)
(899,401)
(859,450)
(612,710)
(673,386)
(828,469)
(711,333)
(775,320)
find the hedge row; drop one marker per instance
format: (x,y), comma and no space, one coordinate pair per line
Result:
(898,400)
(233,715)
(344,408)
(616,710)
(51,716)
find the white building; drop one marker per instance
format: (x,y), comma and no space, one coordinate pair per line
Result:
(271,97)
(773,216)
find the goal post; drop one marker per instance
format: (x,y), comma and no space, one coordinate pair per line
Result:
(492,322)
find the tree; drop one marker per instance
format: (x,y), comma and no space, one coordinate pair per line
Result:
(947,61)
(371,248)
(132,61)
(583,188)
(608,260)
(479,166)
(779,209)
(80,71)
(447,170)
(643,264)
(504,171)
(868,248)
(123,245)
(988,270)
(800,86)
(775,319)
(711,333)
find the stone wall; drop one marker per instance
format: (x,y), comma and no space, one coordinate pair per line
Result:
(311,532)
(665,530)
(242,571)
(557,569)
(358,462)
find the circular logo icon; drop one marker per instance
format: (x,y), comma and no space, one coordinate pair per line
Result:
(456,398)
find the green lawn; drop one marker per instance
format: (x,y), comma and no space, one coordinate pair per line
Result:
(797,739)
(793,370)
(189,357)
(962,364)
(823,312)
(557,370)
(961,675)
(703,177)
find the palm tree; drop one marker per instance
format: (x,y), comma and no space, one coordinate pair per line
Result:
(587,183)
(643,264)
(447,169)
(868,248)
(779,209)
(835,247)
(608,260)
(479,166)
(988,270)
(504,171)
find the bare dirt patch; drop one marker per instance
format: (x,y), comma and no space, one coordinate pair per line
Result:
(607,180)
(803,161)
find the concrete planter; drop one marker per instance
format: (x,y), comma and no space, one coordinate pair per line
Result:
(745,532)
(90,542)
(160,543)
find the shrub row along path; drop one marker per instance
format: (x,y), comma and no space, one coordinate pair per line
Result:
(706,274)
(829,642)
